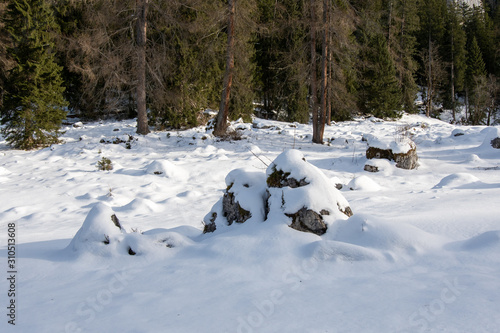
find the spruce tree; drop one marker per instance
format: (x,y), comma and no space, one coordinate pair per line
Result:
(383,96)
(475,63)
(33,102)
(455,50)
(476,75)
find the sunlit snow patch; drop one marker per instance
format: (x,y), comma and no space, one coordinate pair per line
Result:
(167,169)
(456,180)
(363,183)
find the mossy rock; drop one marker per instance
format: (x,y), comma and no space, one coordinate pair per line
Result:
(280,179)
(408,160)
(232,210)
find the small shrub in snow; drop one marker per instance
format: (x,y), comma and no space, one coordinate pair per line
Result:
(105,164)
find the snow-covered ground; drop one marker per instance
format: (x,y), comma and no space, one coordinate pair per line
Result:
(420,254)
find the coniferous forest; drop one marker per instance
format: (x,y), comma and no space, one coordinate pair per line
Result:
(166,62)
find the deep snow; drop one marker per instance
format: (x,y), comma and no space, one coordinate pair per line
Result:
(420,253)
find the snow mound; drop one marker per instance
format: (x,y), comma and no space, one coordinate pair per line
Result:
(98,229)
(484,241)
(249,189)
(456,180)
(167,169)
(382,165)
(4,171)
(140,205)
(363,183)
(320,193)
(402,146)
(102,234)
(340,251)
(490,134)
(457,132)
(389,239)
(243,200)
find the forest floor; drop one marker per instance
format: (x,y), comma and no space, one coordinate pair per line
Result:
(420,254)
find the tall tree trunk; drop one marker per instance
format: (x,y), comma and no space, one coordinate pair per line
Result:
(142,115)
(222,116)
(452,78)
(314,98)
(389,26)
(429,80)
(330,78)
(324,76)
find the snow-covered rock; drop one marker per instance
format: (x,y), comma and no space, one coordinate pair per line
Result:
(243,199)
(301,191)
(293,187)
(244,196)
(403,152)
(100,229)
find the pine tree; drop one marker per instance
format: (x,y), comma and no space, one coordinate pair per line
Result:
(476,76)
(430,37)
(455,49)
(475,63)
(33,103)
(280,60)
(403,47)
(383,97)
(480,26)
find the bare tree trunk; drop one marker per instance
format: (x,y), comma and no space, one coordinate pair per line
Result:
(389,26)
(314,98)
(221,121)
(330,78)
(142,115)
(324,76)
(466,104)
(453,80)
(429,80)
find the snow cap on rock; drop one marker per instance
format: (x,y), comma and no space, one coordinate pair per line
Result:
(319,193)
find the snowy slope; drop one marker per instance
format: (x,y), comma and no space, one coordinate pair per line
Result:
(420,253)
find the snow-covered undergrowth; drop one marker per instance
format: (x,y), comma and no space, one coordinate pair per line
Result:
(420,253)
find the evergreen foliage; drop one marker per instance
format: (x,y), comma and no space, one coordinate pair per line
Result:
(33,101)
(382,97)
(355,56)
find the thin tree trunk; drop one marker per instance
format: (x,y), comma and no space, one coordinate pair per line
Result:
(222,116)
(429,83)
(466,104)
(389,26)
(142,115)
(453,78)
(330,78)
(324,76)
(314,98)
